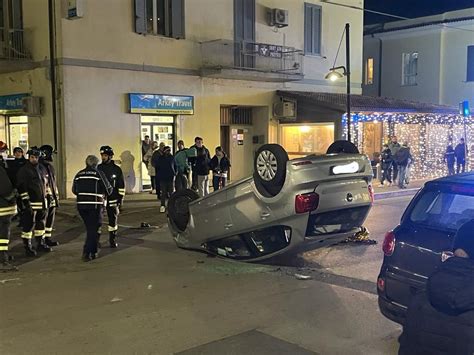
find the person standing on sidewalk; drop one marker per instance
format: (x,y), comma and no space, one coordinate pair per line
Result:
(114,175)
(7,211)
(32,190)
(13,167)
(91,187)
(184,167)
(450,159)
(387,162)
(154,158)
(146,145)
(460,153)
(220,166)
(402,159)
(200,166)
(166,170)
(394,148)
(151,168)
(52,193)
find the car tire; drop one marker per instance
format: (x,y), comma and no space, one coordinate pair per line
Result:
(270,169)
(342,147)
(178,208)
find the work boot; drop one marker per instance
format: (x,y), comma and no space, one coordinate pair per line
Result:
(41,245)
(5,264)
(50,243)
(29,251)
(86,257)
(112,239)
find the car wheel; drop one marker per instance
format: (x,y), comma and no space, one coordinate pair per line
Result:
(342,147)
(270,169)
(178,207)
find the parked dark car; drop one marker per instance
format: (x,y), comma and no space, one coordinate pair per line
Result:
(422,241)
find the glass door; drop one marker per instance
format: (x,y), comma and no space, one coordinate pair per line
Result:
(18,132)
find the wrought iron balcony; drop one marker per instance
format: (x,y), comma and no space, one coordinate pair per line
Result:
(251,61)
(12,45)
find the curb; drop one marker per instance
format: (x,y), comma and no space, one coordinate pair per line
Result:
(393,194)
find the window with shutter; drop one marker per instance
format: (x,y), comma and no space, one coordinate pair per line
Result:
(312,29)
(160,17)
(140,17)
(470,63)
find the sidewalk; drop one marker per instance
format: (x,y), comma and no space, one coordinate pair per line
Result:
(382,193)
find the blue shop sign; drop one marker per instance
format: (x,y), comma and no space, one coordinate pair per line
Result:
(161,104)
(10,104)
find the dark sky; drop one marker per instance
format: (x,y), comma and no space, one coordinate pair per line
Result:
(411,8)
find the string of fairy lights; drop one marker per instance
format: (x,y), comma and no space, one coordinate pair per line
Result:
(427,135)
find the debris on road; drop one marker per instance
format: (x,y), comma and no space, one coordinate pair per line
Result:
(303,277)
(116,299)
(3,282)
(361,237)
(150,287)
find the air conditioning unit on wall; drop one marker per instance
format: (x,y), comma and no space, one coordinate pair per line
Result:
(285,109)
(32,105)
(278,18)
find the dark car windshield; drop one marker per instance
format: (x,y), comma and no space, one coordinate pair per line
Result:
(447,210)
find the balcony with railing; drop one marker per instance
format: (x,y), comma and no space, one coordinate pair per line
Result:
(251,61)
(14,55)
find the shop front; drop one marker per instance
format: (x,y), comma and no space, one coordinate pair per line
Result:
(13,122)
(159,120)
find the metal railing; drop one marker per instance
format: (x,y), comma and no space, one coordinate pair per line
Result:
(263,57)
(12,45)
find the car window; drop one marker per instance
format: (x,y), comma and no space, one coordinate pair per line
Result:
(443,210)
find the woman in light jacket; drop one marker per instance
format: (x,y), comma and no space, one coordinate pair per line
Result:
(150,167)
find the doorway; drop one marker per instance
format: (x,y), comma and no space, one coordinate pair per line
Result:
(160,129)
(17,132)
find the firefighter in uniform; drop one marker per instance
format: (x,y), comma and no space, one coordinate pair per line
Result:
(7,211)
(114,201)
(91,188)
(32,189)
(52,193)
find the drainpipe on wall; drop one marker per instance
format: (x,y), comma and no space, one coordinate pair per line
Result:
(52,70)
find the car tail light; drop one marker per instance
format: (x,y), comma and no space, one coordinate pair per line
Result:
(371,193)
(306,202)
(381,284)
(388,246)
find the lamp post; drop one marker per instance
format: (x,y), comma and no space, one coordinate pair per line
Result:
(334,75)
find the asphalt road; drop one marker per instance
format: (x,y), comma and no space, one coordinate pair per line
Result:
(148,297)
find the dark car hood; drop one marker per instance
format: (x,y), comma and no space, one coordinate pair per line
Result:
(451,287)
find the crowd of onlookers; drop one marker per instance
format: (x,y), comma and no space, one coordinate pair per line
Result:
(396,162)
(187,168)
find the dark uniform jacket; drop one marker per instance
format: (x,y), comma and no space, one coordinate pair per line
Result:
(52,186)
(7,195)
(114,175)
(13,167)
(441,321)
(31,185)
(91,188)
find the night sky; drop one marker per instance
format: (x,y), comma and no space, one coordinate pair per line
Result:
(411,8)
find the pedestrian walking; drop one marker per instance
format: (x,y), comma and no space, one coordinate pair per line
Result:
(200,167)
(154,158)
(146,145)
(184,167)
(460,154)
(91,187)
(394,148)
(402,159)
(440,320)
(220,166)
(450,159)
(7,211)
(13,167)
(52,193)
(32,190)
(114,175)
(151,168)
(166,169)
(387,163)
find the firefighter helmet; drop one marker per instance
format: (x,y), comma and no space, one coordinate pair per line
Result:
(105,149)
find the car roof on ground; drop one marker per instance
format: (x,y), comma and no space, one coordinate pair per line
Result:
(467,178)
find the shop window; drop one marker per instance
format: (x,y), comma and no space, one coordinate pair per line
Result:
(312,29)
(409,68)
(300,140)
(470,63)
(369,71)
(18,132)
(160,17)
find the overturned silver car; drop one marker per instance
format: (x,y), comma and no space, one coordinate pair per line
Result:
(286,206)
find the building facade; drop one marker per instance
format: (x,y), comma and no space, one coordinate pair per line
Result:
(171,69)
(429,59)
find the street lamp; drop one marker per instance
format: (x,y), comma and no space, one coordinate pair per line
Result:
(334,75)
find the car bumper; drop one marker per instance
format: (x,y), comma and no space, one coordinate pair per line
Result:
(393,311)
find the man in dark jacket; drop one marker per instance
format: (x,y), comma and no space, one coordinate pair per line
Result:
(220,166)
(460,153)
(166,170)
(13,167)
(402,159)
(394,148)
(32,189)
(52,193)
(387,162)
(114,175)
(450,159)
(7,211)
(200,167)
(91,187)
(154,158)
(441,320)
